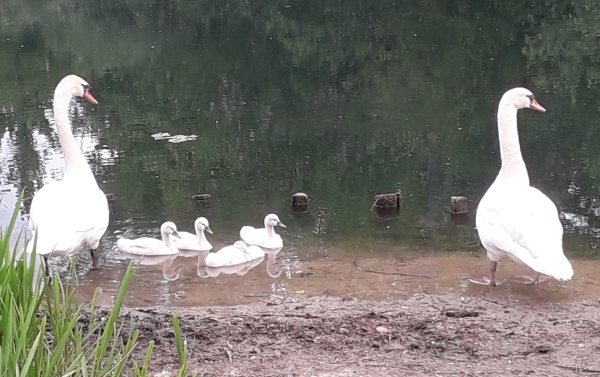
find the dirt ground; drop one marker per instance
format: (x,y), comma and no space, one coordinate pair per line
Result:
(423,335)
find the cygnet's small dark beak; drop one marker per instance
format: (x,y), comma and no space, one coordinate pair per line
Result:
(281,224)
(208,230)
(176,234)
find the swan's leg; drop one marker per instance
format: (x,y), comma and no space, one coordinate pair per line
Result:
(492,280)
(493,266)
(537,279)
(47,269)
(95,257)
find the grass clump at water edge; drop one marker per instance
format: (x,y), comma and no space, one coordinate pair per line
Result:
(43,331)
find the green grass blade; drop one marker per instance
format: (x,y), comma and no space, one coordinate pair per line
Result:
(181,347)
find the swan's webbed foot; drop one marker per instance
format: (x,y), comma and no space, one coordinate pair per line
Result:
(492,280)
(530,280)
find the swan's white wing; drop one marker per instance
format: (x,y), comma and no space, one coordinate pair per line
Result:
(254,252)
(144,246)
(189,241)
(186,241)
(232,256)
(227,256)
(524,223)
(66,215)
(260,237)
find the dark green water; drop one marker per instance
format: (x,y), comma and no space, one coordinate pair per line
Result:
(340,100)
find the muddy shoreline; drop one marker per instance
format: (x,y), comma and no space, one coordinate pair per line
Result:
(423,335)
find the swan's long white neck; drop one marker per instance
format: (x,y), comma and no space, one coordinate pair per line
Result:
(270,231)
(513,166)
(167,240)
(201,237)
(74,158)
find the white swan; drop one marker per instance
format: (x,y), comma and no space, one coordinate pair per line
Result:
(73,212)
(238,258)
(151,246)
(231,255)
(513,219)
(195,242)
(263,237)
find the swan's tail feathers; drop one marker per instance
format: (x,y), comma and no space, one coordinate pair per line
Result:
(558,268)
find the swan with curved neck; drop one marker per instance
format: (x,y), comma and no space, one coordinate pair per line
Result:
(263,237)
(73,212)
(515,220)
(195,242)
(148,246)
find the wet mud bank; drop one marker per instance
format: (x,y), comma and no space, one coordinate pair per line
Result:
(423,335)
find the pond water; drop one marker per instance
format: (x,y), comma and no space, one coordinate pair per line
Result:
(339,101)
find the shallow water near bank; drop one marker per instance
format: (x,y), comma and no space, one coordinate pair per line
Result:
(284,276)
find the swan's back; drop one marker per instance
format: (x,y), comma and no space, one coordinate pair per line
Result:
(145,246)
(189,241)
(233,255)
(260,237)
(522,222)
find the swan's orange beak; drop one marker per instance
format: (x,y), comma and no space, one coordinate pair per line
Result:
(536,106)
(88,96)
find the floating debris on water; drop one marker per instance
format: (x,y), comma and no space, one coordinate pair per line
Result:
(161,136)
(201,196)
(182,138)
(173,139)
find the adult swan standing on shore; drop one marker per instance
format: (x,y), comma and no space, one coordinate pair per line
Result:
(513,219)
(73,212)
